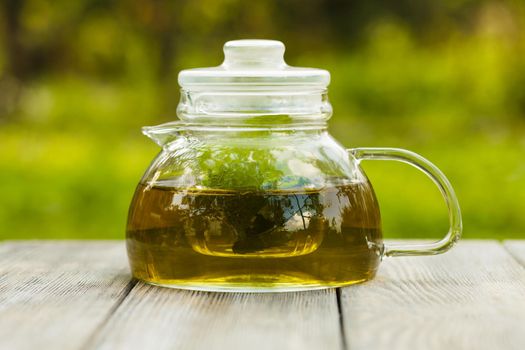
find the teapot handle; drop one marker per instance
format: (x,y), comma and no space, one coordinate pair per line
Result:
(454,213)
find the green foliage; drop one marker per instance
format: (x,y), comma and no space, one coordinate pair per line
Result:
(238,168)
(86,76)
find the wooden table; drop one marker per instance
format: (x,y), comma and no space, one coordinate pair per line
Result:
(79,295)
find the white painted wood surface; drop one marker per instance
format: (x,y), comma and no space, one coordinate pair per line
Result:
(160,318)
(517,250)
(54,294)
(78,295)
(473,297)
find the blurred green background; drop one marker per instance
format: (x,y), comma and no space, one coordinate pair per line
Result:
(79,78)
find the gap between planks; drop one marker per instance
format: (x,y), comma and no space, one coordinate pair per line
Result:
(162,318)
(516,248)
(127,290)
(54,294)
(344,345)
(468,298)
(405,271)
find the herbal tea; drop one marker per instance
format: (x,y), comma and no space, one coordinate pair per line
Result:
(222,239)
(310,220)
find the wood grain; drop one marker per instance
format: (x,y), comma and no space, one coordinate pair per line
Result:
(160,318)
(74,295)
(516,249)
(472,297)
(54,295)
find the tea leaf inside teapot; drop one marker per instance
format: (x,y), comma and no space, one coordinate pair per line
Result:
(254,216)
(238,168)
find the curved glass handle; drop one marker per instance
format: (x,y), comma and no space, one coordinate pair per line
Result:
(454,213)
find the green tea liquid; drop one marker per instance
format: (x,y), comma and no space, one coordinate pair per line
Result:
(248,240)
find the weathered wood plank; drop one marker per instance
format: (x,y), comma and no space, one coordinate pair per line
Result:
(160,318)
(473,297)
(54,295)
(516,249)
(63,295)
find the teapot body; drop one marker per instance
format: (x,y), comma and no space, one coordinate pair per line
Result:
(254,208)
(251,193)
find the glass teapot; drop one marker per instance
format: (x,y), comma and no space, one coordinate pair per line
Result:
(251,193)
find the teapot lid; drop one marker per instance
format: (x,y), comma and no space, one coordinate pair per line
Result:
(253,63)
